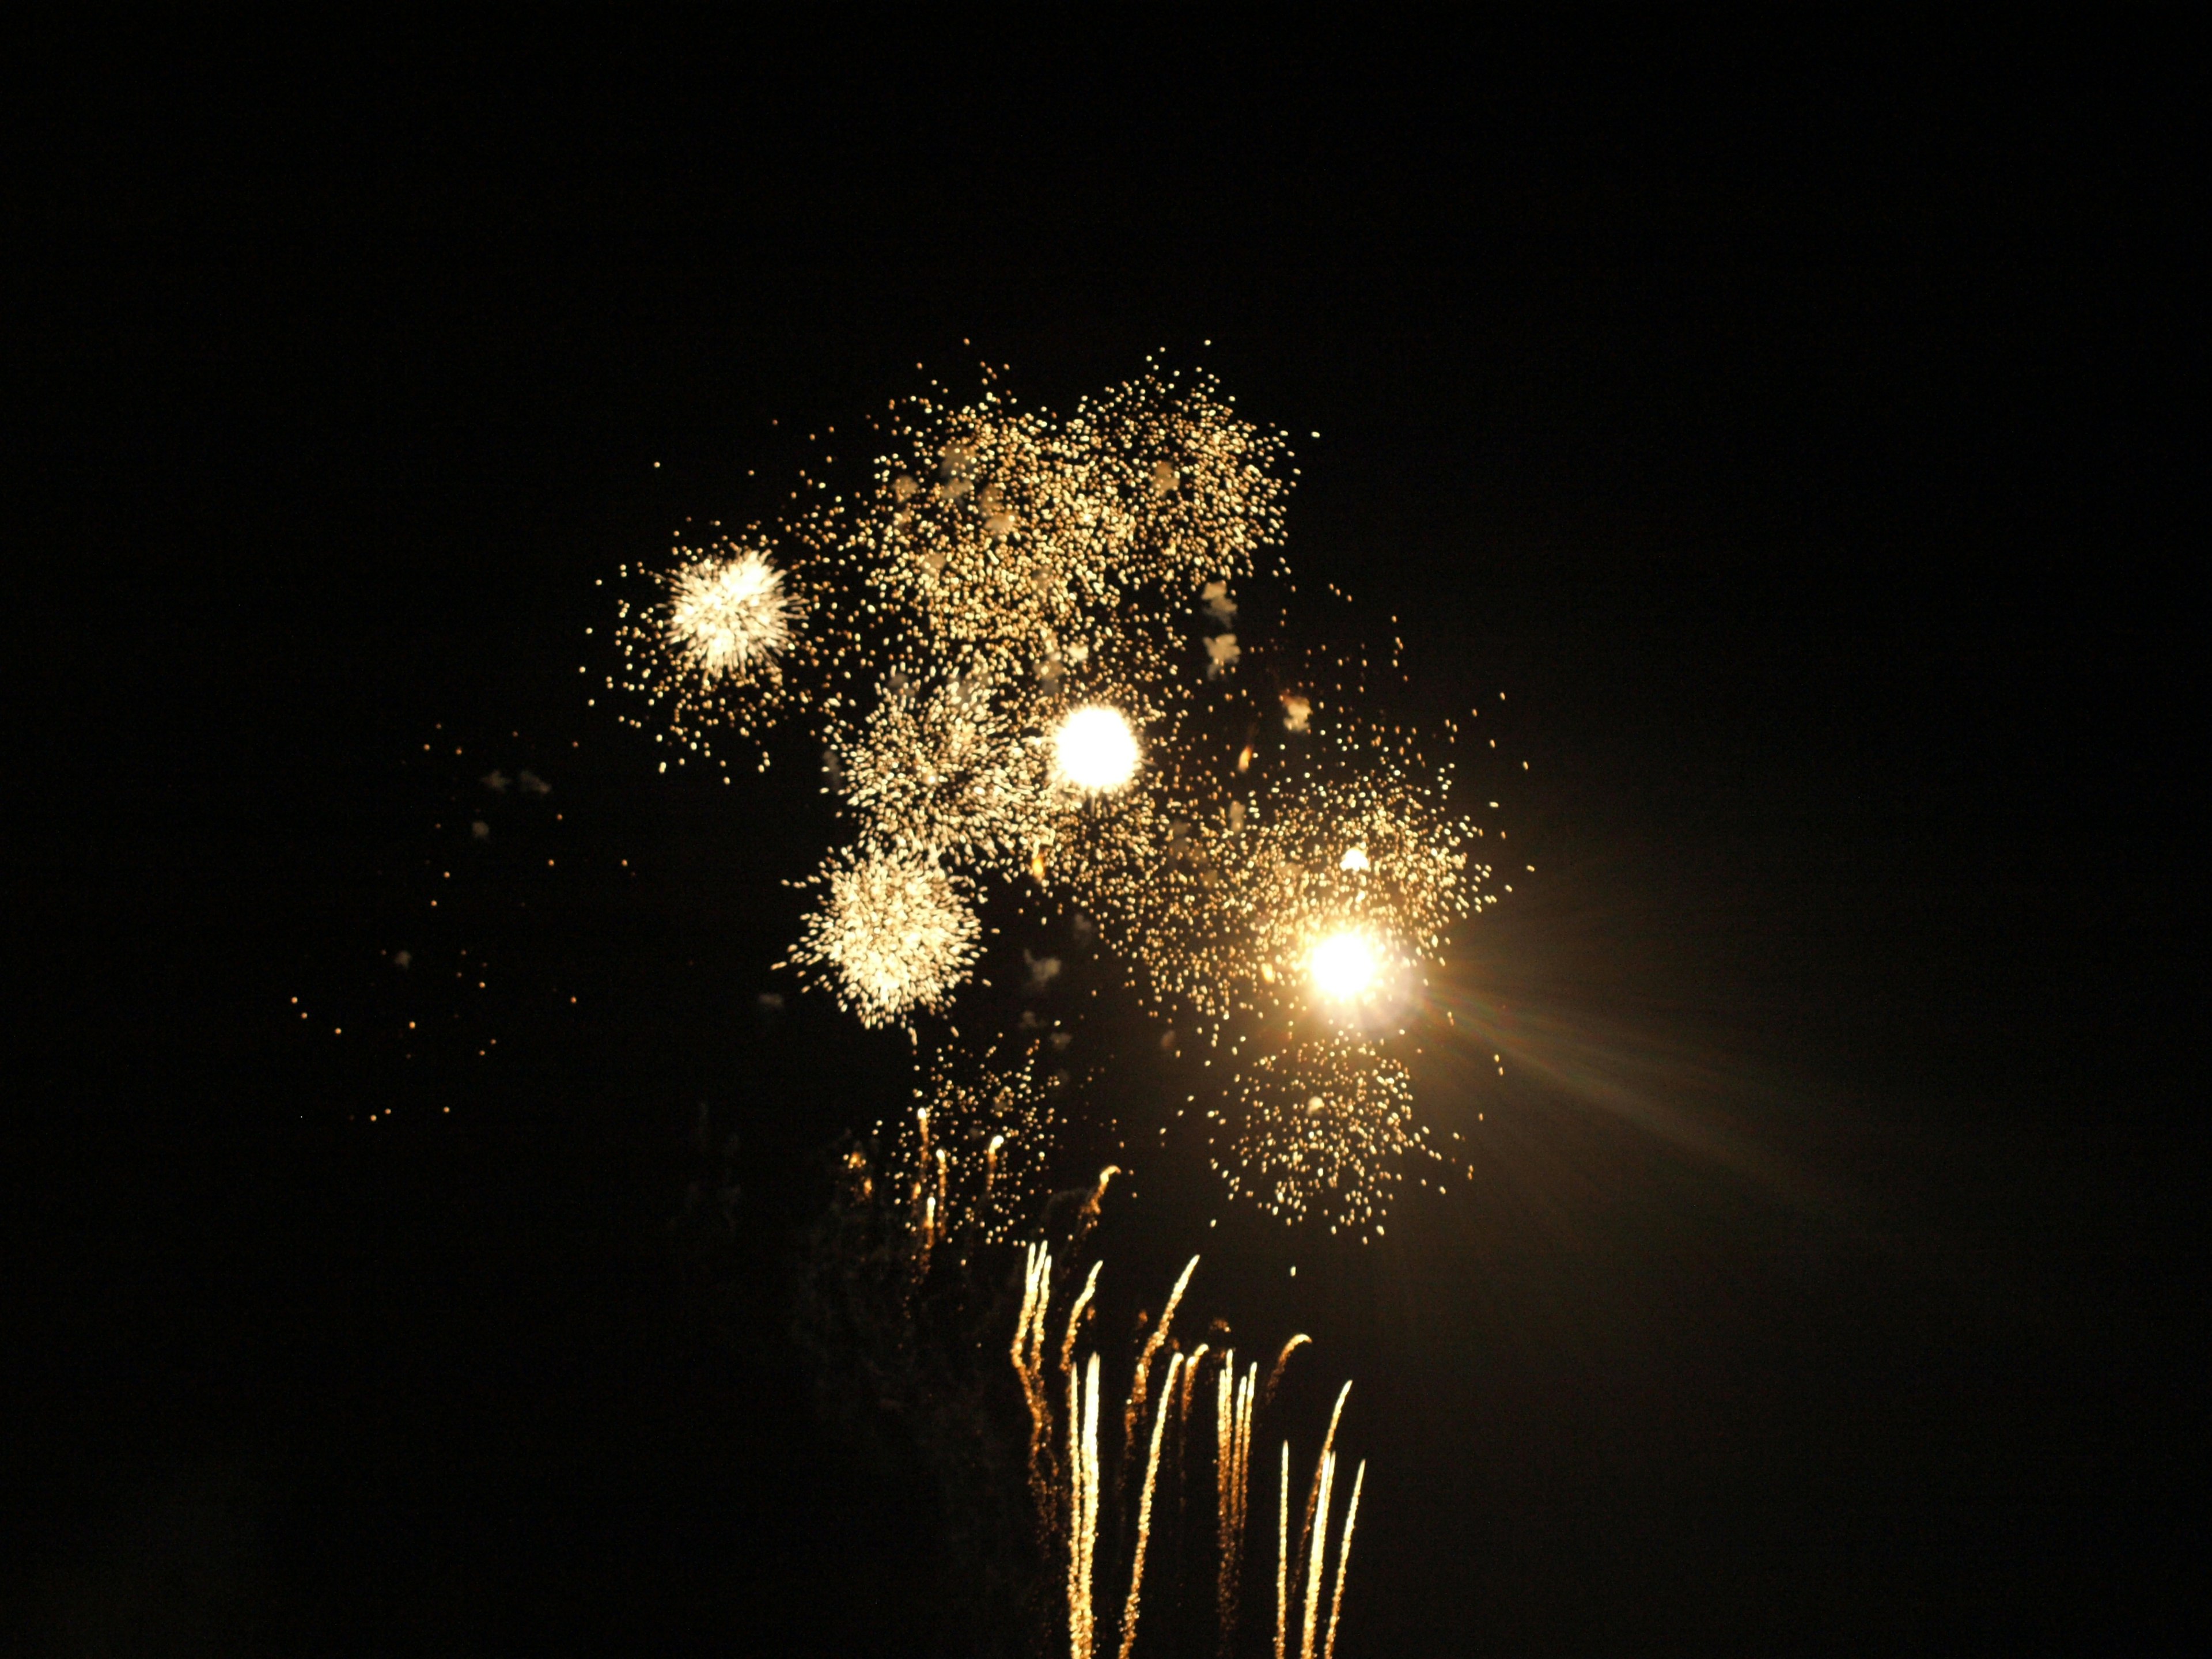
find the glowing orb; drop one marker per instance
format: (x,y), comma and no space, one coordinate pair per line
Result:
(1095,750)
(1345,966)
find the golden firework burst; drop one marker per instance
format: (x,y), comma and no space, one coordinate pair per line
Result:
(896,933)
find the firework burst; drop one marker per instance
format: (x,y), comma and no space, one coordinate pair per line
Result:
(895,934)
(707,648)
(730,619)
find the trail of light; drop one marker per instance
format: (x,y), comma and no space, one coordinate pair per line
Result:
(1075,1316)
(1343,1559)
(1241,1447)
(1087,1217)
(1283,1554)
(1028,1358)
(1145,1515)
(1083,1390)
(1314,1491)
(1139,1386)
(1227,1534)
(1324,1478)
(1275,1373)
(1190,1375)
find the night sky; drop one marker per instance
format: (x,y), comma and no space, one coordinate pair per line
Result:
(1797,431)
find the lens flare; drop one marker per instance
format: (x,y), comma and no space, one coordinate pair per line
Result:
(1095,750)
(1345,966)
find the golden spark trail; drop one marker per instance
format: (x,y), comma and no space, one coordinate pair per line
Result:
(1028,1358)
(1275,1375)
(1314,1492)
(1233,1401)
(1228,1533)
(1083,1390)
(1190,1376)
(1283,1555)
(1324,1478)
(1343,1559)
(1301,1582)
(1139,1386)
(1144,1512)
(1087,1217)
(1243,1449)
(1075,1317)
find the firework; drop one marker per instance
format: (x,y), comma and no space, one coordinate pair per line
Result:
(1015,636)
(1282,1361)
(1145,1514)
(941,770)
(1074,1511)
(982,1132)
(708,647)
(1326,1127)
(1232,1459)
(1134,1410)
(895,934)
(1083,1389)
(1093,749)
(730,619)
(1343,1559)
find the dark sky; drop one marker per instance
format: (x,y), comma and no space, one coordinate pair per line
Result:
(1801,432)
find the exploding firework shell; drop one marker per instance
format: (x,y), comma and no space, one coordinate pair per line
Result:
(1373,854)
(713,647)
(1009,535)
(895,934)
(1326,1127)
(942,769)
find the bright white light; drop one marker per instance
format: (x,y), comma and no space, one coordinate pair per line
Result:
(1345,966)
(1095,749)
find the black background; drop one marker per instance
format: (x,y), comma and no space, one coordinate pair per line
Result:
(1799,431)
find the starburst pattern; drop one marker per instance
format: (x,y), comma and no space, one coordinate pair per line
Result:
(708,645)
(895,934)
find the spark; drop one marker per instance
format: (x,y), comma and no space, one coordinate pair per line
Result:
(1083,1389)
(991,634)
(1071,1515)
(1028,1355)
(1282,1359)
(1233,1405)
(1283,1554)
(1134,1410)
(1324,1478)
(1343,1560)
(1075,1316)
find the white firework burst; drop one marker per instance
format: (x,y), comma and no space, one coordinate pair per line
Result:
(943,770)
(730,619)
(895,934)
